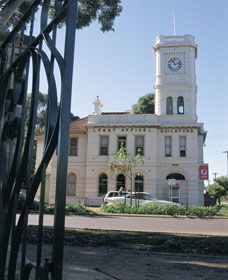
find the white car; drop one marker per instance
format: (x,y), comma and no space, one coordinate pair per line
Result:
(138,198)
(112,194)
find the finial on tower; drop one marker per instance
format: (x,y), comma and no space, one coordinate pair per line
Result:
(174,23)
(97,106)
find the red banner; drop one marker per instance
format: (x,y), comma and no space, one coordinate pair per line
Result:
(203,172)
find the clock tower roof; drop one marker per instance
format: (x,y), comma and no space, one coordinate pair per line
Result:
(186,40)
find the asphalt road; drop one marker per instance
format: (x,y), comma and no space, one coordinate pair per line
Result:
(208,226)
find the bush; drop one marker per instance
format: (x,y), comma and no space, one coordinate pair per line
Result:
(71,208)
(77,208)
(161,209)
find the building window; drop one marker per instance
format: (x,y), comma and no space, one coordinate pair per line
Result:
(73,147)
(120,182)
(169,105)
(182,146)
(180,105)
(168,145)
(104,140)
(71,185)
(139,145)
(103,184)
(121,142)
(139,184)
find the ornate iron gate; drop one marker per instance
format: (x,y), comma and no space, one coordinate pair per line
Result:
(22,56)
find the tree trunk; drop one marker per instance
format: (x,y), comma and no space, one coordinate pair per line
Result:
(131,190)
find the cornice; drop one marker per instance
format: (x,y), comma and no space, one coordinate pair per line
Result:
(175,86)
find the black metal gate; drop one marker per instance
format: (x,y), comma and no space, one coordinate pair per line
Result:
(21,58)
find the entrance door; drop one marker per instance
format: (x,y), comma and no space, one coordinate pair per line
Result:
(176,187)
(120,182)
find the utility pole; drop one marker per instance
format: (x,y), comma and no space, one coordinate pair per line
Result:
(226,152)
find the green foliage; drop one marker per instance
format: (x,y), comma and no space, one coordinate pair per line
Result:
(161,209)
(19,13)
(223,210)
(102,11)
(222,181)
(73,117)
(218,190)
(131,240)
(78,209)
(123,163)
(145,105)
(42,111)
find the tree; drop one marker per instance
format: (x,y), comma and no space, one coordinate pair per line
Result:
(103,11)
(73,117)
(218,190)
(145,105)
(42,111)
(222,181)
(122,163)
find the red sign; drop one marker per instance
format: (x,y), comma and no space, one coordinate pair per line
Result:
(203,172)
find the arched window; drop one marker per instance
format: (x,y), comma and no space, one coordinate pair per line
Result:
(71,185)
(180,105)
(176,176)
(103,184)
(169,105)
(139,183)
(120,181)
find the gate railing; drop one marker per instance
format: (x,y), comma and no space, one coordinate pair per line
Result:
(22,57)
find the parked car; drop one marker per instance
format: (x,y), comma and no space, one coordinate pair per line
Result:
(139,198)
(113,194)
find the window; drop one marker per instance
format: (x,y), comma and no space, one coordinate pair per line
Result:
(182,146)
(104,145)
(139,145)
(73,147)
(168,144)
(180,105)
(71,185)
(139,183)
(103,184)
(120,182)
(169,105)
(121,142)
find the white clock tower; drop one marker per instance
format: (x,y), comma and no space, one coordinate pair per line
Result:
(175,85)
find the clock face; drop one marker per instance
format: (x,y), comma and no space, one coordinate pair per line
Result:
(174,64)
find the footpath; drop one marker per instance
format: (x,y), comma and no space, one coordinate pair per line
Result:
(101,263)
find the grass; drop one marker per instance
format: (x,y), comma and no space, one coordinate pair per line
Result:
(172,210)
(156,242)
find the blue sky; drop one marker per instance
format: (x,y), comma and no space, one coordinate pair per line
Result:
(119,66)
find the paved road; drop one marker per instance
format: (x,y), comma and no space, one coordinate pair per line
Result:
(148,224)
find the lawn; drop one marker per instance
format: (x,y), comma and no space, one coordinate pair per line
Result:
(157,242)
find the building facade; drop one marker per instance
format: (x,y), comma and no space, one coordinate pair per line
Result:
(170,141)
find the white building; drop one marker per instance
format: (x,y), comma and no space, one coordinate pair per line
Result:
(171,140)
